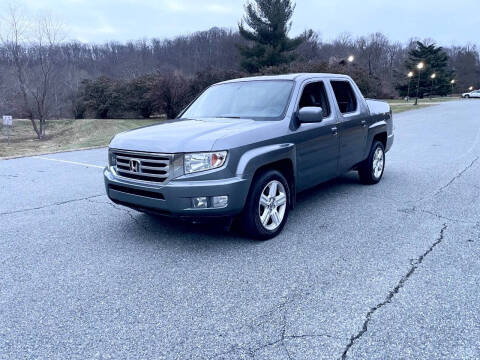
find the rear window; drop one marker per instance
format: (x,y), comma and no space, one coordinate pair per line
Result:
(345,96)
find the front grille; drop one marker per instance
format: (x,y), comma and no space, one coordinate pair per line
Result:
(142,166)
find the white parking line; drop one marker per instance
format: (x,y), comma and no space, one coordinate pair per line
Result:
(70,162)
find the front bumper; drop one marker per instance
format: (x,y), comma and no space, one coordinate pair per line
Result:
(175,197)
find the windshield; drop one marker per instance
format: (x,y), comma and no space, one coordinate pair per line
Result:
(260,100)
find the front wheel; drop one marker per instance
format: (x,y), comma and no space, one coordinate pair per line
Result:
(371,171)
(267,207)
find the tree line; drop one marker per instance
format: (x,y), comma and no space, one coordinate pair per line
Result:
(44,77)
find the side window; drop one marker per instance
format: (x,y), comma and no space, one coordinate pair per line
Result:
(346,99)
(314,94)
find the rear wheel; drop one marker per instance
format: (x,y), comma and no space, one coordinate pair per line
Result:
(371,170)
(267,207)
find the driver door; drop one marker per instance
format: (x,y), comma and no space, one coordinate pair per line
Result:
(317,144)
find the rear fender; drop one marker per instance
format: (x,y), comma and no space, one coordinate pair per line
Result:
(380,122)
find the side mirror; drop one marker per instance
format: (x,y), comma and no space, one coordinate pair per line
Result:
(310,114)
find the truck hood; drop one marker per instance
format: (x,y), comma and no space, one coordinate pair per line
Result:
(179,136)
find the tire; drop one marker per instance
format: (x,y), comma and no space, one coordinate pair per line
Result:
(258,219)
(371,170)
(467,96)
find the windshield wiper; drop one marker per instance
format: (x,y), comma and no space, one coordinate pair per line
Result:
(228,117)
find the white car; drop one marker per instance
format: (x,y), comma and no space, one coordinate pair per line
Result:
(473,94)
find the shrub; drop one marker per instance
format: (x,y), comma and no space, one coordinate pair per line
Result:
(137,96)
(168,94)
(103,97)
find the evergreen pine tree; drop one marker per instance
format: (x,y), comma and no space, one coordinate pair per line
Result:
(265,26)
(436,62)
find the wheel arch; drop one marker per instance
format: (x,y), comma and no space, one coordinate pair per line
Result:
(279,157)
(382,137)
(377,131)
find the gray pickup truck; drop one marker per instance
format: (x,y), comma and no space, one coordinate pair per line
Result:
(244,148)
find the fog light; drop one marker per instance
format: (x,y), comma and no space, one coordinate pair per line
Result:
(219,202)
(200,202)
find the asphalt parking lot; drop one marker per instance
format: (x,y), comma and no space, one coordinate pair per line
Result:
(390,271)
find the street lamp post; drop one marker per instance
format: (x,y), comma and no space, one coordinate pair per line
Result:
(452,83)
(420,66)
(348,60)
(433,76)
(410,75)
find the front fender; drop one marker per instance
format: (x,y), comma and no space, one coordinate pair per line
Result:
(254,159)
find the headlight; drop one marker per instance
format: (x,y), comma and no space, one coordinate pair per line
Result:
(112,159)
(204,161)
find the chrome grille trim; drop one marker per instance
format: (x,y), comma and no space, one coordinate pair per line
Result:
(124,158)
(154,167)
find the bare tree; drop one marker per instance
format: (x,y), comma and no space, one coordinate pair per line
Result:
(13,35)
(171,93)
(373,52)
(31,48)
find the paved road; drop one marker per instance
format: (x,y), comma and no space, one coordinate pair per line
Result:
(383,272)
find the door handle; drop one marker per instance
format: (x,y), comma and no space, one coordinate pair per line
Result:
(334,131)
(364,123)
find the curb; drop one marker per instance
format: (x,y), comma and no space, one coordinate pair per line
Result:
(52,152)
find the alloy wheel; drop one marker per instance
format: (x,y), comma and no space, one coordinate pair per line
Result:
(378,163)
(272,205)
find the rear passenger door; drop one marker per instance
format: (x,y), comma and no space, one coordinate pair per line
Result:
(353,125)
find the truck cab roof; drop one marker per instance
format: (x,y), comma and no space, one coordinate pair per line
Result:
(291,77)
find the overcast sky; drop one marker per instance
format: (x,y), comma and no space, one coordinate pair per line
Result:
(448,22)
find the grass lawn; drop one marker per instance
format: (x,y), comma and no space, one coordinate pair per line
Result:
(62,135)
(399,105)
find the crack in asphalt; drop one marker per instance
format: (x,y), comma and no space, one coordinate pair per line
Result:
(125,210)
(9,176)
(50,205)
(456,176)
(253,352)
(136,220)
(283,330)
(271,313)
(414,210)
(442,217)
(414,265)
(282,336)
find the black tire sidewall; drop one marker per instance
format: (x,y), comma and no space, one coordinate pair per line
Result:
(366,170)
(252,224)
